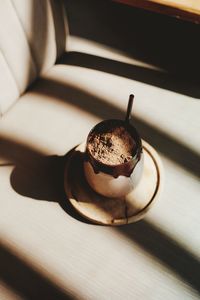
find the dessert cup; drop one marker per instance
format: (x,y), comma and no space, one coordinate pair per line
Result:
(114,180)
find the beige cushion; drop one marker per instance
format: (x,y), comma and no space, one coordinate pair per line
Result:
(32,36)
(90,261)
(8,87)
(93,262)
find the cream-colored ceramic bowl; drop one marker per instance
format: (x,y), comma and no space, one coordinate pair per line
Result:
(114,180)
(109,186)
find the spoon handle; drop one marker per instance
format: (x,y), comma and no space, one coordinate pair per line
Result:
(129,108)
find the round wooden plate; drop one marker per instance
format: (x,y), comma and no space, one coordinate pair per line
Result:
(113,211)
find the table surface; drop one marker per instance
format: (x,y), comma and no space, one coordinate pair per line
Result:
(184,9)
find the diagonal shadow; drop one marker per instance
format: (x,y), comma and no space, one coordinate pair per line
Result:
(166,250)
(168,43)
(26,281)
(167,145)
(179,84)
(48,170)
(41,178)
(35,175)
(27,278)
(16,273)
(53,166)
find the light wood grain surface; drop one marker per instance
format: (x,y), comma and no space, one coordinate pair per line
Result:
(184,9)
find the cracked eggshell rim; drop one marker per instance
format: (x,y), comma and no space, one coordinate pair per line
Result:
(119,169)
(109,186)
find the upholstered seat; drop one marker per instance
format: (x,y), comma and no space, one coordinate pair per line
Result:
(50,97)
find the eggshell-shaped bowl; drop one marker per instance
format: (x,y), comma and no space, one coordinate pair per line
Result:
(114,180)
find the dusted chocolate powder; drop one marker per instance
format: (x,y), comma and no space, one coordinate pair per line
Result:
(112,147)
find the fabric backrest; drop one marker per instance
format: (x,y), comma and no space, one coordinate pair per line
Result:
(32,36)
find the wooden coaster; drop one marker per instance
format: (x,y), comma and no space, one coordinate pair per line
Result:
(113,211)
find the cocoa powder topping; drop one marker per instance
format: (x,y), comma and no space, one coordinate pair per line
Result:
(112,147)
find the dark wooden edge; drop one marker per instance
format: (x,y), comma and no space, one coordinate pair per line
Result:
(182,12)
